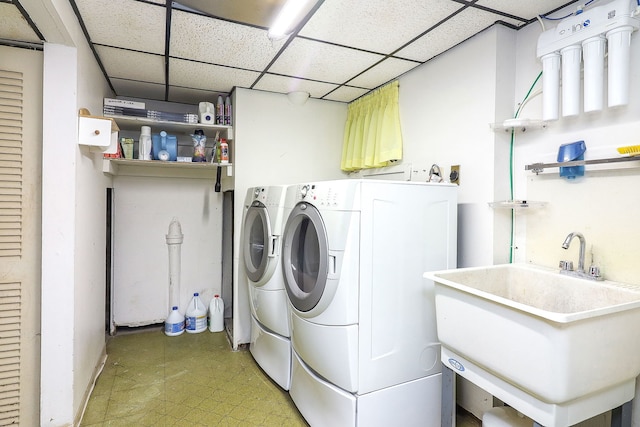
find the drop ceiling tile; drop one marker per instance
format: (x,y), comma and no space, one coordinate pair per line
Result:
(527,10)
(192,96)
(127,64)
(13,26)
(282,84)
(313,60)
(346,94)
(197,75)
(134,89)
(381,73)
(457,29)
(127,24)
(220,42)
(381,26)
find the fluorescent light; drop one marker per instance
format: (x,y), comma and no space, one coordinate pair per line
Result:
(288,16)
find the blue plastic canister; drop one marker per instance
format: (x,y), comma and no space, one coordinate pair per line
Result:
(165,147)
(570,152)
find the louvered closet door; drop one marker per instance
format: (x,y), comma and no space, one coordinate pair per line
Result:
(20,234)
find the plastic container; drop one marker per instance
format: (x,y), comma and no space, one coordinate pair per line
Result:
(216,314)
(144,144)
(224,151)
(570,152)
(165,147)
(199,146)
(196,319)
(174,324)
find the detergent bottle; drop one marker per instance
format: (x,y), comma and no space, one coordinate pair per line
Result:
(216,314)
(196,319)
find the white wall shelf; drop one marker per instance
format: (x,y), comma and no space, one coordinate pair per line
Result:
(134,123)
(157,168)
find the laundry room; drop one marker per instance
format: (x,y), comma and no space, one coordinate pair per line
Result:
(473,116)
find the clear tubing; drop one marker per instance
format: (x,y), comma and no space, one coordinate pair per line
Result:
(550,86)
(619,42)
(593,54)
(571,56)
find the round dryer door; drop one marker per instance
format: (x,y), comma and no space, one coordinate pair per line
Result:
(256,240)
(305,257)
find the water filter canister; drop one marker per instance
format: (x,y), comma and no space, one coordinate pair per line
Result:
(216,314)
(196,319)
(174,325)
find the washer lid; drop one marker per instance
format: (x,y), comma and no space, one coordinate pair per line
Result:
(305,256)
(256,241)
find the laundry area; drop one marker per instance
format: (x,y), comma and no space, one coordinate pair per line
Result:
(414,213)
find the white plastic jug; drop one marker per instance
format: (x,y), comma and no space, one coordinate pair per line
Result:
(216,314)
(196,319)
(174,325)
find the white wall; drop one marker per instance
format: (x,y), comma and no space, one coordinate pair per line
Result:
(277,143)
(446,106)
(73,236)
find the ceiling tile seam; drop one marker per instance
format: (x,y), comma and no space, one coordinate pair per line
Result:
(314,80)
(22,45)
(27,18)
(214,64)
(83,27)
(286,44)
(167,44)
(386,55)
(428,30)
(473,4)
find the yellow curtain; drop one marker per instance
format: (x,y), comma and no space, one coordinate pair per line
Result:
(372,136)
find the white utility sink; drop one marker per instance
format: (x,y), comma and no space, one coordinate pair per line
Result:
(559,349)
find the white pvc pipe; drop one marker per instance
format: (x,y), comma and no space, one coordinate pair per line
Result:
(619,42)
(174,242)
(571,80)
(593,54)
(550,86)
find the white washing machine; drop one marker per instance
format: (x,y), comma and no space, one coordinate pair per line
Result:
(262,226)
(362,317)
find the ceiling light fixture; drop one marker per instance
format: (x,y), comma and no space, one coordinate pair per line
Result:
(288,17)
(298,97)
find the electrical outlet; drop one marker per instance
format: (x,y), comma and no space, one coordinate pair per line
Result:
(454,175)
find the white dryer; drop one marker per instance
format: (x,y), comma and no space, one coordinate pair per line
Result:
(362,317)
(261,234)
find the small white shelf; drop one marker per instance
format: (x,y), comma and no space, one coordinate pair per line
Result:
(518,125)
(158,168)
(134,123)
(517,204)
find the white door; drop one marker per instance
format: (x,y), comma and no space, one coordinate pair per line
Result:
(20,234)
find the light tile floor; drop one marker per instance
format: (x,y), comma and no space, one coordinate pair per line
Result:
(190,380)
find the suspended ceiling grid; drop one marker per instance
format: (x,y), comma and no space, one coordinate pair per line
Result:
(196,49)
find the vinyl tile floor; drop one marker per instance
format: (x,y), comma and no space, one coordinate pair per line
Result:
(191,380)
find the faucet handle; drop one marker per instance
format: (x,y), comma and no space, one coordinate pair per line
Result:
(566,265)
(594,272)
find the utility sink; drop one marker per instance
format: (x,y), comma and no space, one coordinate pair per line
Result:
(563,346)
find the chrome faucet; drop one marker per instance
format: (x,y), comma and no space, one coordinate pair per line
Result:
(583,243)
(566,267)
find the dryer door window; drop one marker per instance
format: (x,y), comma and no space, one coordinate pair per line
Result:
(256,241)
(305,257)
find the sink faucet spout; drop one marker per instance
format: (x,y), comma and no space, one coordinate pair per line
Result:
(567,242)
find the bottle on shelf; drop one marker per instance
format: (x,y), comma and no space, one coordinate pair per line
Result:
(144,145)
(227,111)
(224,151)
(219,111)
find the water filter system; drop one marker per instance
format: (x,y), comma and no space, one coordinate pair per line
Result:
(583,39)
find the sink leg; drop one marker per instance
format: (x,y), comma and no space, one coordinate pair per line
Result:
(448,410)
(621,416)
